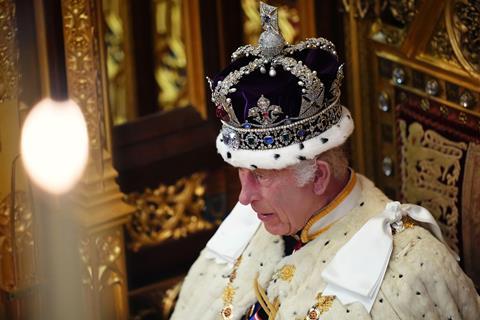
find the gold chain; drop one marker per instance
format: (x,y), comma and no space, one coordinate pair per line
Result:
(229,292)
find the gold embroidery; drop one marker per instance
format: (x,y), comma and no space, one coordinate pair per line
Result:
(286,273)
(229,293)
(324,303)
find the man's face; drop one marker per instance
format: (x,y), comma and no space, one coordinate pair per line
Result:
(279,202)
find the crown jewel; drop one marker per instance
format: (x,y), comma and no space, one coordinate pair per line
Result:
(271,41)
(267,125)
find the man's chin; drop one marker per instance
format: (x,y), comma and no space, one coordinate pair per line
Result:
(276,230)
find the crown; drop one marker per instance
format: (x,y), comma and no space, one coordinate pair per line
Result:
(272,96)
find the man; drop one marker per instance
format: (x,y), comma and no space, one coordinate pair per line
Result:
(310,238)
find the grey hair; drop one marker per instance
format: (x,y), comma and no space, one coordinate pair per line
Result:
(337,159)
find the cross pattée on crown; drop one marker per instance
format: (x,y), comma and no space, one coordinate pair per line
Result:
(269,17)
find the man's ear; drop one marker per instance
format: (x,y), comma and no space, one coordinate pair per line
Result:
(322,177)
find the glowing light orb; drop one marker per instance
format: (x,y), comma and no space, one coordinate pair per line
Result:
(54,145)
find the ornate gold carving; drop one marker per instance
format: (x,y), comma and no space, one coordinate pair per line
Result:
(288,21)
(101,255)
(8,52)
(402,10)
(118,77)
(440,46)
(387,30)
(387,34)
(84,69)
(104,273)
(470,210)
(170,54)
(18,262)
(462,22)
(467,23)
(168,212)
(430,171)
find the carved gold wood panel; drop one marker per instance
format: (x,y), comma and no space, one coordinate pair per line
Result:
(176,50)
(119,60)
(170,54)
(168,212)
(104,273)
(422,101)
(463,22)
(97,202)
(83,70)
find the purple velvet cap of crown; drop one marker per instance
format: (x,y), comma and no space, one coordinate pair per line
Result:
(282,89)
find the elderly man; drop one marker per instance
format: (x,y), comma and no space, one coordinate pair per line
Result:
(310,238)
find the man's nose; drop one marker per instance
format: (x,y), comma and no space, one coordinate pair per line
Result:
(247,194)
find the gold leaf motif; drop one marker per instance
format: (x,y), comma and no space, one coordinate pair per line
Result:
(228,293)
(286,273)
(324,303)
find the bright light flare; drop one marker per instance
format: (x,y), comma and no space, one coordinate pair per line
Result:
(54,145)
